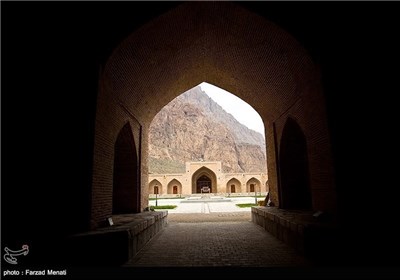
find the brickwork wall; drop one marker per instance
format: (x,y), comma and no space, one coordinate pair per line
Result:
(111,117)
(304,112)
(225,45)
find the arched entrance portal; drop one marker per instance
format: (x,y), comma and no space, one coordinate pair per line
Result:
(126,193)
(294,179)
(204,177)
(257,61)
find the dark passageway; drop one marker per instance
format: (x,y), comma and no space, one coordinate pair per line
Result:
(69,91)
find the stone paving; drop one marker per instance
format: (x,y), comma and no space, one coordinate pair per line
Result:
(206,207)
(211,217)
(215,240)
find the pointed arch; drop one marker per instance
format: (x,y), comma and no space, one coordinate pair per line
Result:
(204,177)
(233,186)
(126,191)
(174,187)
(155,186)
(293,168)
(253,185)
(258,61)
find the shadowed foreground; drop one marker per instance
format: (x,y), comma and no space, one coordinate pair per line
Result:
(219,240)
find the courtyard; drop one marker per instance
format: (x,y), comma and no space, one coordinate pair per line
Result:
(213,205)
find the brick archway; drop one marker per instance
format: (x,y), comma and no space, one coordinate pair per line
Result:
(210,176)
(249,57)
(253,185)
(155,183)
(233,186)
(174,187)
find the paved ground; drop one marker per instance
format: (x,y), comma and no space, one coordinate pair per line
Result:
(211,217)
(206,207)
(215,240)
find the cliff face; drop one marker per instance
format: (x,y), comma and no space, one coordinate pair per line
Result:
(194,128)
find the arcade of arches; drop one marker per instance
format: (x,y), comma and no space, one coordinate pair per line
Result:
(207,174)
(249,57)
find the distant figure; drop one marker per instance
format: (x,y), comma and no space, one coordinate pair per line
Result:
(268,201)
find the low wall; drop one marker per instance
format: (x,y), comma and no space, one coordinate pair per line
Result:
(313,237)
(117,244)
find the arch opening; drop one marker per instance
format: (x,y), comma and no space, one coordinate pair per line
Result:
(204,177)
(233,186)
(126,192)
(174,187)
(253,185)
(294,170)
(155,184)
(280,82)
(200,125)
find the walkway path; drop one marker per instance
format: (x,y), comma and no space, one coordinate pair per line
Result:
(215,239)
(206,207)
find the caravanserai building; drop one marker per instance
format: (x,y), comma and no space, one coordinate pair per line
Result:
(207,177)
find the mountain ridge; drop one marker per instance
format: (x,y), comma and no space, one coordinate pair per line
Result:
(193,127)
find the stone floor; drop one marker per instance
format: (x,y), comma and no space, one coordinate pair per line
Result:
(205,206)
(215,240)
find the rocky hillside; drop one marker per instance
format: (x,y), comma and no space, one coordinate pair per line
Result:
(194,128)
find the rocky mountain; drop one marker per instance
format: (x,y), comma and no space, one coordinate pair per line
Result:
(193,127)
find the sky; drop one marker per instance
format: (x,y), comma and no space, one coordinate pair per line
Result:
(232,104)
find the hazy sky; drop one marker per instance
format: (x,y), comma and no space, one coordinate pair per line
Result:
(232,104)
